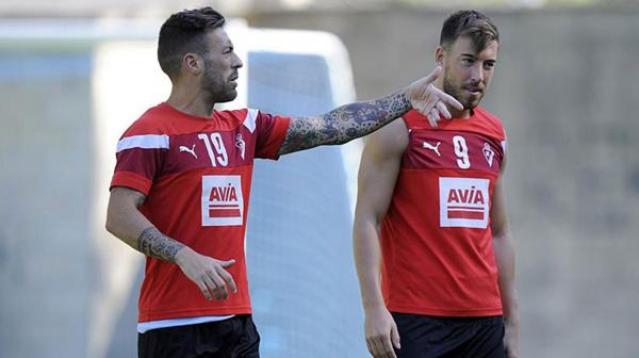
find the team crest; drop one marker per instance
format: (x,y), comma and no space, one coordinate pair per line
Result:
(488,154)
(240,144)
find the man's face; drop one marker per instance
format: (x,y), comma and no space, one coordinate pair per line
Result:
(468,73)
(221,66)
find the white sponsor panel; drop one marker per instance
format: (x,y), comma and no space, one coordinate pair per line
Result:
(464,202)
(222,201)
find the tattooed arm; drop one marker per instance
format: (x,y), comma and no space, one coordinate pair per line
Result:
(355,120)
(125,221)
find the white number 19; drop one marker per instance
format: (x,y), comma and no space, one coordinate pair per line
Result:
(216,151)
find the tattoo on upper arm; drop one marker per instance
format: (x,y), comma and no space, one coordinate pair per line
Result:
(345,123)
(152,242)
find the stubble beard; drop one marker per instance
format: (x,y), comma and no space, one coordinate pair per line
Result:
(219,90)
(458,93)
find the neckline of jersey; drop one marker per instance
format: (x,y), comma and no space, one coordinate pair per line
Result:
(187,115)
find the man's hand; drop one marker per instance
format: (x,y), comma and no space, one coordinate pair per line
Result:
(511,339)
(207,273)
(381,332)
(430,100)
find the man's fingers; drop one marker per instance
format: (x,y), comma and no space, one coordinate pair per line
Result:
(435,114)
(369,346)
(441,107)
(380,346)
(214,287)
(395,336)
(372,346)
(431,103)
(228,263)
(445,97)
(434,74)
(228,279)
(220,287)
(205,291)
(388,346)
(204,285)
(431,120)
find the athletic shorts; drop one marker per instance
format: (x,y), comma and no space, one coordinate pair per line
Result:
(450,337)
(235,337)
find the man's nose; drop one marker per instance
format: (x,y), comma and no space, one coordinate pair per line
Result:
(477,74)
(238,62)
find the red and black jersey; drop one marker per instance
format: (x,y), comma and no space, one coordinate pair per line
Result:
(436,237)
(196,175)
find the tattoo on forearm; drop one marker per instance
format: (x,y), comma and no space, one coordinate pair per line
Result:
(344,123)
(152,242)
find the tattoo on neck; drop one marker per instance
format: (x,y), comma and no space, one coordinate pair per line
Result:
(152,242)
(345,123)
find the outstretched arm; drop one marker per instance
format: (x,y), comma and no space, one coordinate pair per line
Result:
(505,256)
(377,175)
(355,120)
(125,221)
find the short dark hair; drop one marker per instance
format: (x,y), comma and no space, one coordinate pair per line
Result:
(469,23)
(184,32)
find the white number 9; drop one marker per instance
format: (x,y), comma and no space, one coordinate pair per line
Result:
(461,151)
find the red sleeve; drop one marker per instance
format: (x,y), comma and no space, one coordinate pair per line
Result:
(138,161)
(271,132)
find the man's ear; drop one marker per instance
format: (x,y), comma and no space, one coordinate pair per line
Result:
(439,55)
(192,63)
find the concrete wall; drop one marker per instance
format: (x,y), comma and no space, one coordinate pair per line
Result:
(567,88)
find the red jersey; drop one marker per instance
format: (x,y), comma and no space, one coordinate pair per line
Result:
(196,175)
(436,238)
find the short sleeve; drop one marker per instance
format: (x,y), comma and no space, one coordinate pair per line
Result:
(138,160)
(271,132)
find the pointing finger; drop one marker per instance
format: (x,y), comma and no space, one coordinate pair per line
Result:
(433,75)
(445,97)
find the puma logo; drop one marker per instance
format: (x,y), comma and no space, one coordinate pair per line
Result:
(189,150)
(434,148)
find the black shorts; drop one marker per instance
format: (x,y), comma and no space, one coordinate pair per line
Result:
(429,337)
(235,337)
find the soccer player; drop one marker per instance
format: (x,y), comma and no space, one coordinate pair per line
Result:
(435,259)
(180,191)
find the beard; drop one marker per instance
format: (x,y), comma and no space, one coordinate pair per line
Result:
(469,101)
(218,88)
